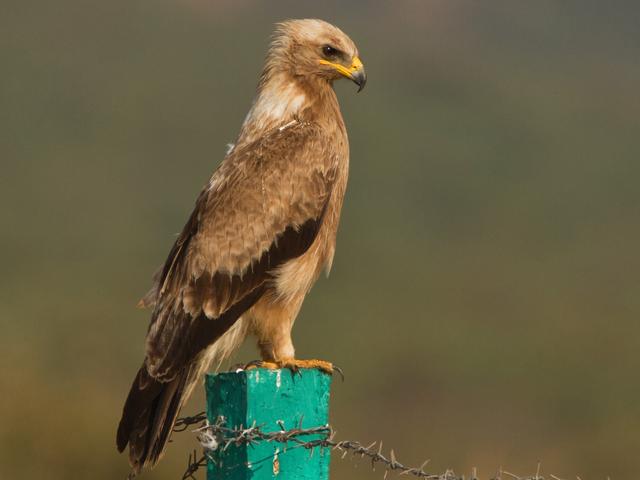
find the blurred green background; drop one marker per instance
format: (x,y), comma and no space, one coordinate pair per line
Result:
(485,296)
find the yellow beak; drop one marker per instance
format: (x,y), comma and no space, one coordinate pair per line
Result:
(354,72)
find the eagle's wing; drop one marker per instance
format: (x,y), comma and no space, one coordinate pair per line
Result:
(263,206)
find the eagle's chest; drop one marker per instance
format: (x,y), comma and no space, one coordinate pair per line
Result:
(294,278)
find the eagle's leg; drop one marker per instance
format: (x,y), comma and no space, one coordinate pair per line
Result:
(272,321)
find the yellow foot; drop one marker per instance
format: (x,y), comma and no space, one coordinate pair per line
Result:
(296,365)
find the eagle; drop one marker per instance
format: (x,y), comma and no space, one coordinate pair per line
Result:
(261,232)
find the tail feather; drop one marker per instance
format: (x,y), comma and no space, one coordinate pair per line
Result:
(152,406)
(149,415)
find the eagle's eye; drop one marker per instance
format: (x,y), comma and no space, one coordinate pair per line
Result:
(329,52)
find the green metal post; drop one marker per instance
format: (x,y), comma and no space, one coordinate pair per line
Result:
(267,397)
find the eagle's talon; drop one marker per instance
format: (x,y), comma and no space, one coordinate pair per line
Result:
(289,364)
(261,364)
(248,366)
(339,371)
(295,366)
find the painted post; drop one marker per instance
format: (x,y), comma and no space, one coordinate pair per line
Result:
(266,397)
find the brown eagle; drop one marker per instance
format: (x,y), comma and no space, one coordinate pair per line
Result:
(261,232)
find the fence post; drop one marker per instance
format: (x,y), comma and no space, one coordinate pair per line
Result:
(268,397)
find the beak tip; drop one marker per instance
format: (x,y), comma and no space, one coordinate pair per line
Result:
(360,79)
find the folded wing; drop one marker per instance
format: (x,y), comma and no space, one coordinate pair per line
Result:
(262,207)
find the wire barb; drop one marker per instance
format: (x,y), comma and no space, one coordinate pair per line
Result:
(219,436)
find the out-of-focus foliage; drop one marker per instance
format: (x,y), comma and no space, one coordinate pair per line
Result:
(485,297)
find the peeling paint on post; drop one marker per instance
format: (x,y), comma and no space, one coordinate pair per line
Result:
(265,397)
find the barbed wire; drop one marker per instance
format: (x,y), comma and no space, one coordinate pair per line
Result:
(218,436)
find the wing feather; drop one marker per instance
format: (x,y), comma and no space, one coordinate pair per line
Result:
(263,206)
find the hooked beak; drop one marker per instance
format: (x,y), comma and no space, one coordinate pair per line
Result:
(354,72)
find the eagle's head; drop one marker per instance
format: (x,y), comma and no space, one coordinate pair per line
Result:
(312,48)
